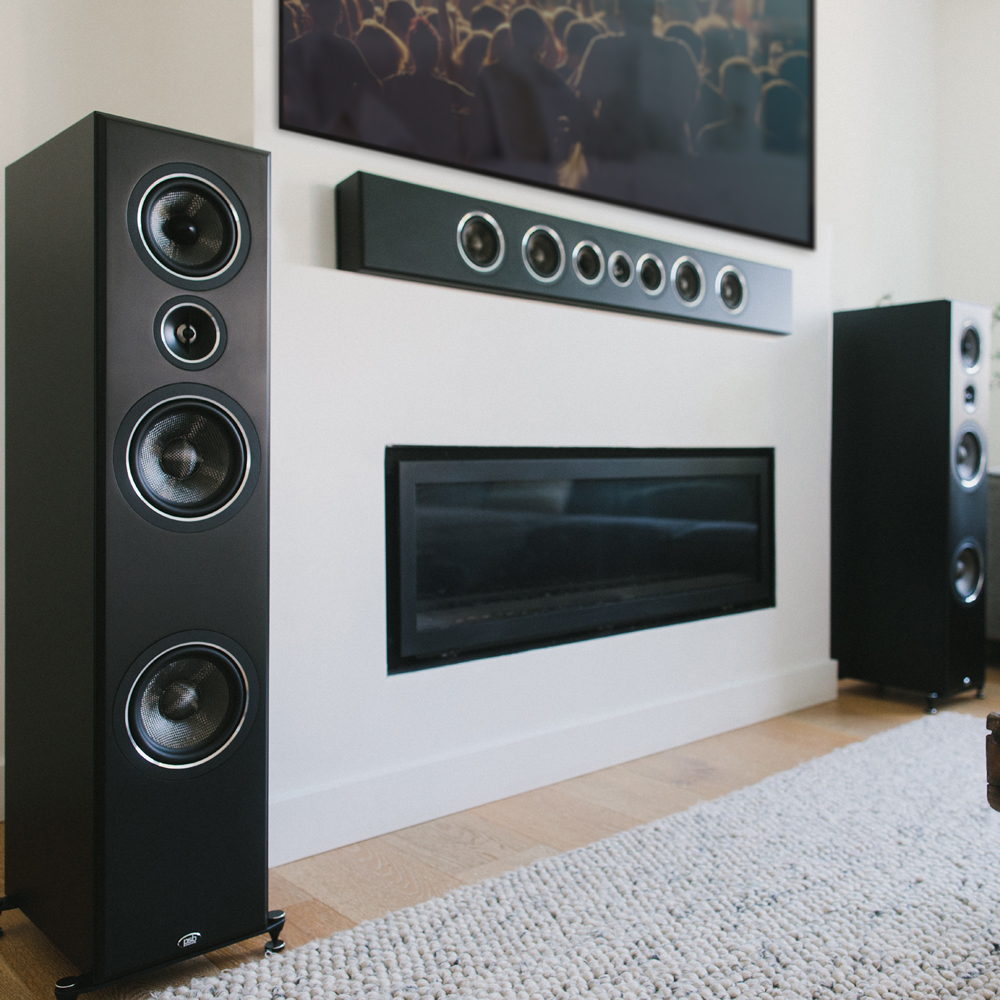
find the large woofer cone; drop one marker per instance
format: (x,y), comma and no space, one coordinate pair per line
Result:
(969,458)
(187,705)
(967,571)
(188,226)
(188,458)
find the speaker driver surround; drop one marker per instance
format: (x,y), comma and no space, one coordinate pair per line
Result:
(189,332)
(480,241)
(620,268)
(731,287)
(543,254)
(187,706)
(652,276)
(688,280)
(971,349)
(967,571)
(588,262)
(970,457)
(187,457)
(188,226)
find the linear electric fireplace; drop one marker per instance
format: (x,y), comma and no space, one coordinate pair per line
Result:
(493,550)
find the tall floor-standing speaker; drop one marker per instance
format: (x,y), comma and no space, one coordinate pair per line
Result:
(137,545)
(909,496)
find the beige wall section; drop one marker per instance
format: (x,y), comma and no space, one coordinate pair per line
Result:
(185,64)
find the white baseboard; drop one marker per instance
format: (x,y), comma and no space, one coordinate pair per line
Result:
(313,820)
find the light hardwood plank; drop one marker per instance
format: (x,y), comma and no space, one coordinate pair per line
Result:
(630,792)
(461,842)
(508,864)
(368,879)
(721,764)
(311,919)
(553,816)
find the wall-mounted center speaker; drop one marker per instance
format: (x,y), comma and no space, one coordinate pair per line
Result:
(909,496)
(137,546)
(401,230)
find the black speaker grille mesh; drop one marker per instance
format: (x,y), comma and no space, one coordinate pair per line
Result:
(187,705)
(188,458)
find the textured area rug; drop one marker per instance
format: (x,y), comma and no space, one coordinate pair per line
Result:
(871,872)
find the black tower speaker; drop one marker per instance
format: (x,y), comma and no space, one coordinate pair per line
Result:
(137,545)
(909,496)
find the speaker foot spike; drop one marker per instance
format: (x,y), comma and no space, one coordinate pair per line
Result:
(980,694)
(73,986)
(932,704)
(275,923)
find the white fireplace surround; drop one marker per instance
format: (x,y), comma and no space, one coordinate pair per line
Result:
(359,362)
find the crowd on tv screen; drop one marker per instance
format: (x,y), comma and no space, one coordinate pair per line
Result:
(554,87)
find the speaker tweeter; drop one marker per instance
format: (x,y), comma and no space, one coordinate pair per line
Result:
(190,333)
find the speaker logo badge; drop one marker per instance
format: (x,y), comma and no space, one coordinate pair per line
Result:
(189,939)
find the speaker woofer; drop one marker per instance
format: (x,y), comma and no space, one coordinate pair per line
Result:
(969,458)
(731,287)
(970,348)
(187,705)
(688,280)
(188,458)
(967,574)
(588,262)
(188,226)
(543,254)
(652,277)
(481,242)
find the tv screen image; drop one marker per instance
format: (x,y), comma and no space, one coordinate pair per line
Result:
(700,109)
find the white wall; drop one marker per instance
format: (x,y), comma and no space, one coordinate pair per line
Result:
(359,362)
(186,64)
(876,142)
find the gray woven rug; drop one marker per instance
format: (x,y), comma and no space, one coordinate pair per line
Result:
(871,872)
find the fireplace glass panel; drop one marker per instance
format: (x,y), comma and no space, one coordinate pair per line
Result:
(498,554)
(494,550)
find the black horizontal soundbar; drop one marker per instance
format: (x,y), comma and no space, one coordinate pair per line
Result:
(402,230)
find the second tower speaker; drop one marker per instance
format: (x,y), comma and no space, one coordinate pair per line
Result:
(909,496)
(137,545)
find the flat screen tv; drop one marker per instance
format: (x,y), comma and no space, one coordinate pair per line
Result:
(700,109)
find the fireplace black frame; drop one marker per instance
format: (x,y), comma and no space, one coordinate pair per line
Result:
(407,465)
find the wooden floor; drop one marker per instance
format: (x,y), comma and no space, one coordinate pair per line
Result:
(335,890)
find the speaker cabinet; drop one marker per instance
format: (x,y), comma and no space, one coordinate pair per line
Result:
(401,230)
(909,496)
(137,545)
